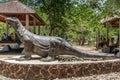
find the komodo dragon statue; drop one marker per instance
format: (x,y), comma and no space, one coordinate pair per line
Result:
(46,45)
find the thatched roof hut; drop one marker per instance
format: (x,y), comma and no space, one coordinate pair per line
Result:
(14,8)
(113,21)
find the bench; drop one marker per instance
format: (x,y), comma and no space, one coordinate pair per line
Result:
(11,43)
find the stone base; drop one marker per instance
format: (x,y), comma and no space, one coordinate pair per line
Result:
(36,69)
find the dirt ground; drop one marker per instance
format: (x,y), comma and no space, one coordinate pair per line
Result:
(12,54)
(8,55)
(88,48)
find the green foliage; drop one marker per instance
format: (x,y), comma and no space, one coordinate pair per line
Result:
(2,29)
(75,18)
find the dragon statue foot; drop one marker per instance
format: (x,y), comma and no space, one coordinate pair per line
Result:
(47,59)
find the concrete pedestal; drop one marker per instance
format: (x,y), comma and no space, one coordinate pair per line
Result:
(35,69)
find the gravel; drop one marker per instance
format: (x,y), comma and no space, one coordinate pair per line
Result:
(69,58)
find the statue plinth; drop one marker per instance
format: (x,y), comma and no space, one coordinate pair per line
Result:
(36,69)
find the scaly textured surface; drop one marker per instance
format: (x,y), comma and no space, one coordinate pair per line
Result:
(47,45)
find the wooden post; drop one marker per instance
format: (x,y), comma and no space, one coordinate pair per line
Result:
(39,30)
(6,27)
(97,37)
(43,30)
(27,21)
(107,33)
(34,21)
(119,34)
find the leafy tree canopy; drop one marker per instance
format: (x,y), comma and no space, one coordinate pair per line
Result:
(74,18)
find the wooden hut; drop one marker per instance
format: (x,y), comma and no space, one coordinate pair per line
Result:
(114,22)
(14,8)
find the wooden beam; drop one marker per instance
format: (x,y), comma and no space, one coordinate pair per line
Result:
(34,17)
(107,32)
(7,28)
(34,28)
(39,30)
(27,21)
(119,33)
(97,37)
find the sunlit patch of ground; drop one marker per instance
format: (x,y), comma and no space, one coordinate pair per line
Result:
(87,48)
(12,54)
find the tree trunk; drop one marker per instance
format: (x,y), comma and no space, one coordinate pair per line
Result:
(83,41)
(52,31)
(97,37)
